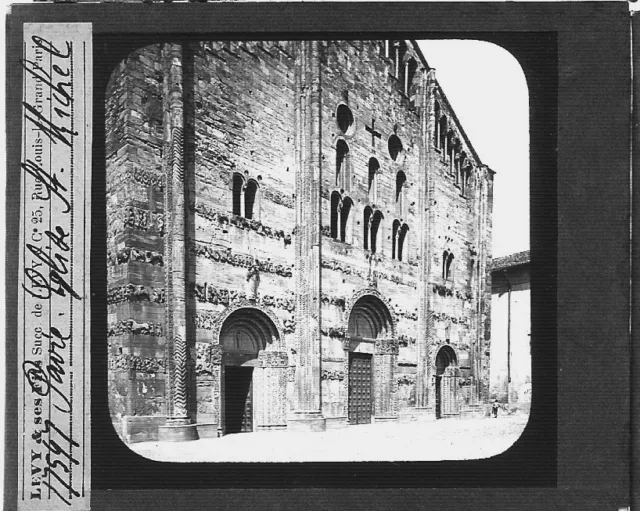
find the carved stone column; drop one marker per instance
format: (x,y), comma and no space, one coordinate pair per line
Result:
(306,406)
(386,386)
(424,404)
(179,426)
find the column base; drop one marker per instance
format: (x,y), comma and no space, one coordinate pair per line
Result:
(178,430)
(304,421)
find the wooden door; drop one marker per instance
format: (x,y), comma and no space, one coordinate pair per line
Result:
(360,395)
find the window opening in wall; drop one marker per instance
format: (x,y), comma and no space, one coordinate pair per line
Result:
(395,233)
(342,164)
(447,260)
(401,180)
(368,218)
(443,134)
(375,226)
(410,72)
(402,236)
(250,195)
(374,167)
(238,184)
(344,118)
(335,212)
(450,151)
(395,147)
(344,219)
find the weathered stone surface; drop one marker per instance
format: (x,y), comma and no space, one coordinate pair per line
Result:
(296,159)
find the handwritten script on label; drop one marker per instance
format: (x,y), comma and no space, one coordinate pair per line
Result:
(53,322)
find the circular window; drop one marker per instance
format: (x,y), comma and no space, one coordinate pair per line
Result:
(395,147)
(344,118)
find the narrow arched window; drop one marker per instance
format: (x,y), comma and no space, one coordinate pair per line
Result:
(374,167)
(342,165)
(395,234)
(238,185)
(250,196)
(411,68)
(445,258)
(345,231)
(395,147)
(443,134)
(401,180)
(448,266)
(368,218)
(335,213)
(462,163)
(402,237)
(375,227)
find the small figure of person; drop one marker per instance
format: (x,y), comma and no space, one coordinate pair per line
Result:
(494,409)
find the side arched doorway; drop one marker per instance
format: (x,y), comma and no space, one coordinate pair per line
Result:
(372,352)
(246,336)
(447,374)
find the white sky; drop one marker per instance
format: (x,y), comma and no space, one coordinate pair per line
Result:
(488,92)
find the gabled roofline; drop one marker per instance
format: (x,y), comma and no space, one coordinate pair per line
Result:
(418,51)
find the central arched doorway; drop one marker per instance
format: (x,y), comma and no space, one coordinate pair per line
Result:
(243,335)
(370,331)
(446,382)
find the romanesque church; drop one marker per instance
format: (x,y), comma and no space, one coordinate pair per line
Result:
(299,237)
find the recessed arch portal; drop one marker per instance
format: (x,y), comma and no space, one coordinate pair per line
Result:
(446,382)
(243,335)
(370,318)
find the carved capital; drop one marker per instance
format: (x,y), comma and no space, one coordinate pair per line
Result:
(273,359)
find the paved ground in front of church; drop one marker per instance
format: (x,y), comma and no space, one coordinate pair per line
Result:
(431,441)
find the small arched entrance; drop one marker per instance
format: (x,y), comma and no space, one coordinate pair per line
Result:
(446,383)
(243,335)
(370,334)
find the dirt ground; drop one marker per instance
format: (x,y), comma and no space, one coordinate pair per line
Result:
(451,439)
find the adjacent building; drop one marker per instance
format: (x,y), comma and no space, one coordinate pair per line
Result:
(299,237)
(511,329)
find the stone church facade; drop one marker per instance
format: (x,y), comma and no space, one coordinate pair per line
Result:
(298,237)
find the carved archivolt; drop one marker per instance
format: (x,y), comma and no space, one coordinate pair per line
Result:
(247,304)
(371,292)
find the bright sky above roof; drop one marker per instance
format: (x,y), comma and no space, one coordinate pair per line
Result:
(487,89)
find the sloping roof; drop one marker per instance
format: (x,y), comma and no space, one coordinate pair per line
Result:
(510,261)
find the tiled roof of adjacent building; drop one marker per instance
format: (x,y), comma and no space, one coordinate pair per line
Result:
(517,259)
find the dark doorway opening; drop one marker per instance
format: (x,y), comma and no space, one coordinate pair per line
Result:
(360,409)
(238,385)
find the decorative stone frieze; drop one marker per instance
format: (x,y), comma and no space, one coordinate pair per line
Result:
(332,375)
(240,260)
(273,359)
(131,326)
(386,347)
(136,219)
(406,379)
(135,293)
(225,218)
(124,362)
(131,254)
